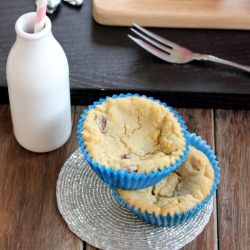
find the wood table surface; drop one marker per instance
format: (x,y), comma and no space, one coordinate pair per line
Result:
(29,218)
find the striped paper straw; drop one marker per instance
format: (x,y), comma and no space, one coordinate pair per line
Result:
(40,15)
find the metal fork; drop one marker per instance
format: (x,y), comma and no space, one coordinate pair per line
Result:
(172,52)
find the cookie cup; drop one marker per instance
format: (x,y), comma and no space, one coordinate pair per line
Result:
(125,179)
(176,219)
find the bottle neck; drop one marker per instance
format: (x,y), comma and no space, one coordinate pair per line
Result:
(44,39)
(25,28)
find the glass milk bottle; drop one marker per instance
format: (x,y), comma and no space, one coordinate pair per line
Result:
(38,84)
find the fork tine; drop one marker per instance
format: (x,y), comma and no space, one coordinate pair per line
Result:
(156,52)
(156,37)
(156,44)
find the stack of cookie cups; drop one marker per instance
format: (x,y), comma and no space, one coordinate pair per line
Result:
(118,179)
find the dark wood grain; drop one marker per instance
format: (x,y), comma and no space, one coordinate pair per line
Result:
(89,247)
(29,218)
(103,61)
(201,121)
(233,151)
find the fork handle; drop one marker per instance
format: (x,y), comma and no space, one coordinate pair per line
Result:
(201,57)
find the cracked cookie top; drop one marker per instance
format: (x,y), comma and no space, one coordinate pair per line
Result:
(179,192)
(134,134)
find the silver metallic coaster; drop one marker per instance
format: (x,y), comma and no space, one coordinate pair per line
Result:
(95,216)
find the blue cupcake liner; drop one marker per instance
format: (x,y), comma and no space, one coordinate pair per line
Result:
(176,219)
(124,179)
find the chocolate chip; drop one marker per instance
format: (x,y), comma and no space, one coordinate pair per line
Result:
(103,127)
(153,191)
(124,156)
(130,168)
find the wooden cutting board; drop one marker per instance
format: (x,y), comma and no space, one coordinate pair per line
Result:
(221,14)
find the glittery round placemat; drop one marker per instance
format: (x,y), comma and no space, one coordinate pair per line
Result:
(95,216)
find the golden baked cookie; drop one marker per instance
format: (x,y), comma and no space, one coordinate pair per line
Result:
(133,133)
(179,192)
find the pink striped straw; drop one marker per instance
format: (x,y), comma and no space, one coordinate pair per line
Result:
(40,15)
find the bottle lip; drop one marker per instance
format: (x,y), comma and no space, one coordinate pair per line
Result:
(25,26)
